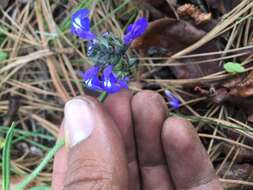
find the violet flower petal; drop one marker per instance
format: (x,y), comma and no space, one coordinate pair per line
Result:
(109,80)
(135,30)
(123,83)
(80,24)
(111,84)
(91,79)
(173,101)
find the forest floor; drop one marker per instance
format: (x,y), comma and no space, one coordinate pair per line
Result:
(185,50)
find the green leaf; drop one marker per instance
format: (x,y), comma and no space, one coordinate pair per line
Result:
(3,56)
(232,67)
(6,158)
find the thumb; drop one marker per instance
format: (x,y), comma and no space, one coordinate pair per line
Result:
(96,158)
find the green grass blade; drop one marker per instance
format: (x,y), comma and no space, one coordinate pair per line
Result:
(28,179)
(19,132)
(3,56)
(6,159)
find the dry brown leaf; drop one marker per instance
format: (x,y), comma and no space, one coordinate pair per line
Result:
(168,33)
(223,6)
(237,172)
(154,3)
(243,154)
(241,87)
(173,36)
(220,95)
(195,13)
(158,8)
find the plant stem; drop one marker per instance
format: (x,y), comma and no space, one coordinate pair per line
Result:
(102,96)
(59,144)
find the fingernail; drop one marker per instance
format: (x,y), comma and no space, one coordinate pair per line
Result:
(78,121)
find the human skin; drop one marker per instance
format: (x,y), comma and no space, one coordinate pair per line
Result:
(131,145)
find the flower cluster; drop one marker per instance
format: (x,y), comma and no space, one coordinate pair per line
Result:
(109,81)
(107,52)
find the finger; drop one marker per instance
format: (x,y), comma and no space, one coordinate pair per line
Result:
(119,107)
(187,159)
(96,158)
(60,165)
(149,112)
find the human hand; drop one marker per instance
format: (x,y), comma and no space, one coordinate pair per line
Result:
(128,144)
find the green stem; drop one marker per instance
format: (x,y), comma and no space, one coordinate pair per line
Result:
(28,179)
(102,96)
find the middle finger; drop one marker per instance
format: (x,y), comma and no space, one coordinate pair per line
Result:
(149,112)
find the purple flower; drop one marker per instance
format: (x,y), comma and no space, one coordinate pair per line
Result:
(173,101)
(135,30)
(123,82)
(110,82)
(80,24)
(91,79)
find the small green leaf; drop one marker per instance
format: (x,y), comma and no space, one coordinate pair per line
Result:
(3,56)
(6,158)
(232,67)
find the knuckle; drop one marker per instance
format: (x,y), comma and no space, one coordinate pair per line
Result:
(89,174)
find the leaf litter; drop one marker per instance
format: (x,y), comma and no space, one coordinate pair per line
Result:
(184,51)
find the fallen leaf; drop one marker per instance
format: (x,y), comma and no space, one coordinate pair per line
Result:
(220,95)
(237,172)
(173,36)
(243,154)
(154,3)
(158,8)
(241,87)
(223,6)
